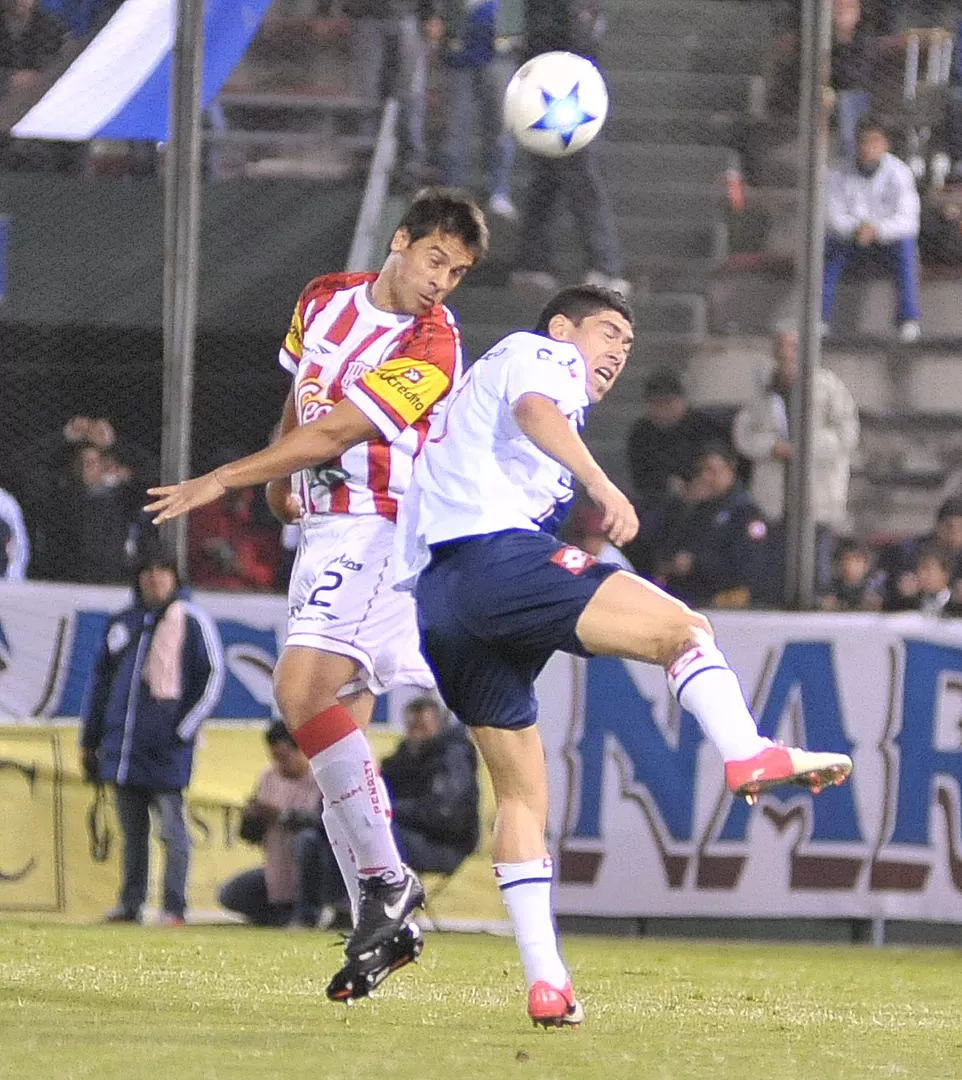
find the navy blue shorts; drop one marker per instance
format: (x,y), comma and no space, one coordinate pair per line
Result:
(491,611)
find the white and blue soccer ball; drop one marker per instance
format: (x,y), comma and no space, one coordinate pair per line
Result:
(555,104)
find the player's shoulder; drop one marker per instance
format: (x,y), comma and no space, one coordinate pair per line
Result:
(328,284)
(440,318)
(526,345)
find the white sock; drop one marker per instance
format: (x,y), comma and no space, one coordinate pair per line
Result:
(346,862)
(526,894)
(346,773)
(706,686)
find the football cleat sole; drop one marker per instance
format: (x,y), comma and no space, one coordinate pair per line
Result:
(362,975)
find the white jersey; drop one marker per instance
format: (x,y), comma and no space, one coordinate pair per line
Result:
(478,472)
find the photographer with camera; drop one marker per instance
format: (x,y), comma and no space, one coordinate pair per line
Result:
(299,883)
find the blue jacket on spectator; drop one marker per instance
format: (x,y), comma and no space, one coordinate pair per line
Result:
(157,677)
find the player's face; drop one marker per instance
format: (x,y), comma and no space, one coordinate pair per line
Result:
(427,270)
(604,340)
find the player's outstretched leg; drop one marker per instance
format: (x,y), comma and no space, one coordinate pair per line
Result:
(384,910)
(628,616)
(358,977)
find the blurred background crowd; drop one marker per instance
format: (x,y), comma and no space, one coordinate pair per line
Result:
(687,203)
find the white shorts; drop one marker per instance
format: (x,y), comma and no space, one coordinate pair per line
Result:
(341,600)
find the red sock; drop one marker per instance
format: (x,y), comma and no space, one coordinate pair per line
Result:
(323,730)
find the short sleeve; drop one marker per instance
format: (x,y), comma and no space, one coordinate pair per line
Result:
(404,389)
(292,348)
(551,370)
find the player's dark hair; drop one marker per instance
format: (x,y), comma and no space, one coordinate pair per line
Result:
(450,211)
(278,733)
(577,302)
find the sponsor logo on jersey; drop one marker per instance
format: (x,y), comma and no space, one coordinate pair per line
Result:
(401,385)
(413,375)
(573,559)
(348,564)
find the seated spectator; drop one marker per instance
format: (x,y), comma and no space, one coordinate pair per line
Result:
(761,432)
(927,588)
(432,778)
(228,548)
(900,559)
(662,446)
(872,215)
(14,542)
(664,442)
(716,552)
(299,883)
(856,584)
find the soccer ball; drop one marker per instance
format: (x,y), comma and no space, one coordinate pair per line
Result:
(555,104)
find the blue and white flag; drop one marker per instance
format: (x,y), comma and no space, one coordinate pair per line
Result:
(118,87)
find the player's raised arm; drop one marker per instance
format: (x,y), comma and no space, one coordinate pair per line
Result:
(307,444)
(548,428)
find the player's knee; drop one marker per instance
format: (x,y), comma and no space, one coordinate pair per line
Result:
(689,629)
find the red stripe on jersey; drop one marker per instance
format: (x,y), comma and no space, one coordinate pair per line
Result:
(343,324)
(379,478)
(340,498)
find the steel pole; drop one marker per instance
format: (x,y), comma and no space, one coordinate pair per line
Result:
(813,140)
(181,255)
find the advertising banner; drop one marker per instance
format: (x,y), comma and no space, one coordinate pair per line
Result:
(640,822)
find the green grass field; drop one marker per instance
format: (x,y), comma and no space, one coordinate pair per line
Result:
(230,1003)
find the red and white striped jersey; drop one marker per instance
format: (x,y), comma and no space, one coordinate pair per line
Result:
(394,368)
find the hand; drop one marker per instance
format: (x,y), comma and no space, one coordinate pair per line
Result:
(176,499)
(620,522)
(283,503)
(865,235)
(782,451)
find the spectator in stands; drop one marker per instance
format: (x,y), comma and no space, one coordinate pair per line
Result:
(157,676)
(479,54)
(663,444)
(389,50)
(872,215)
(761,433)
(855,57)
(91,522)
(856,585)
(31,39)
(228,548)
(928,586)
(900,559)
(299,883)
(14,541)
(432,778)
(716,552)
(573,26)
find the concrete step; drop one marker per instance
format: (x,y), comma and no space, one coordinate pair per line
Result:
(651,17)
(751,302)
(631,90)
(671,202)
(722,53)
(627,164)
(671,125)
(677,314)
